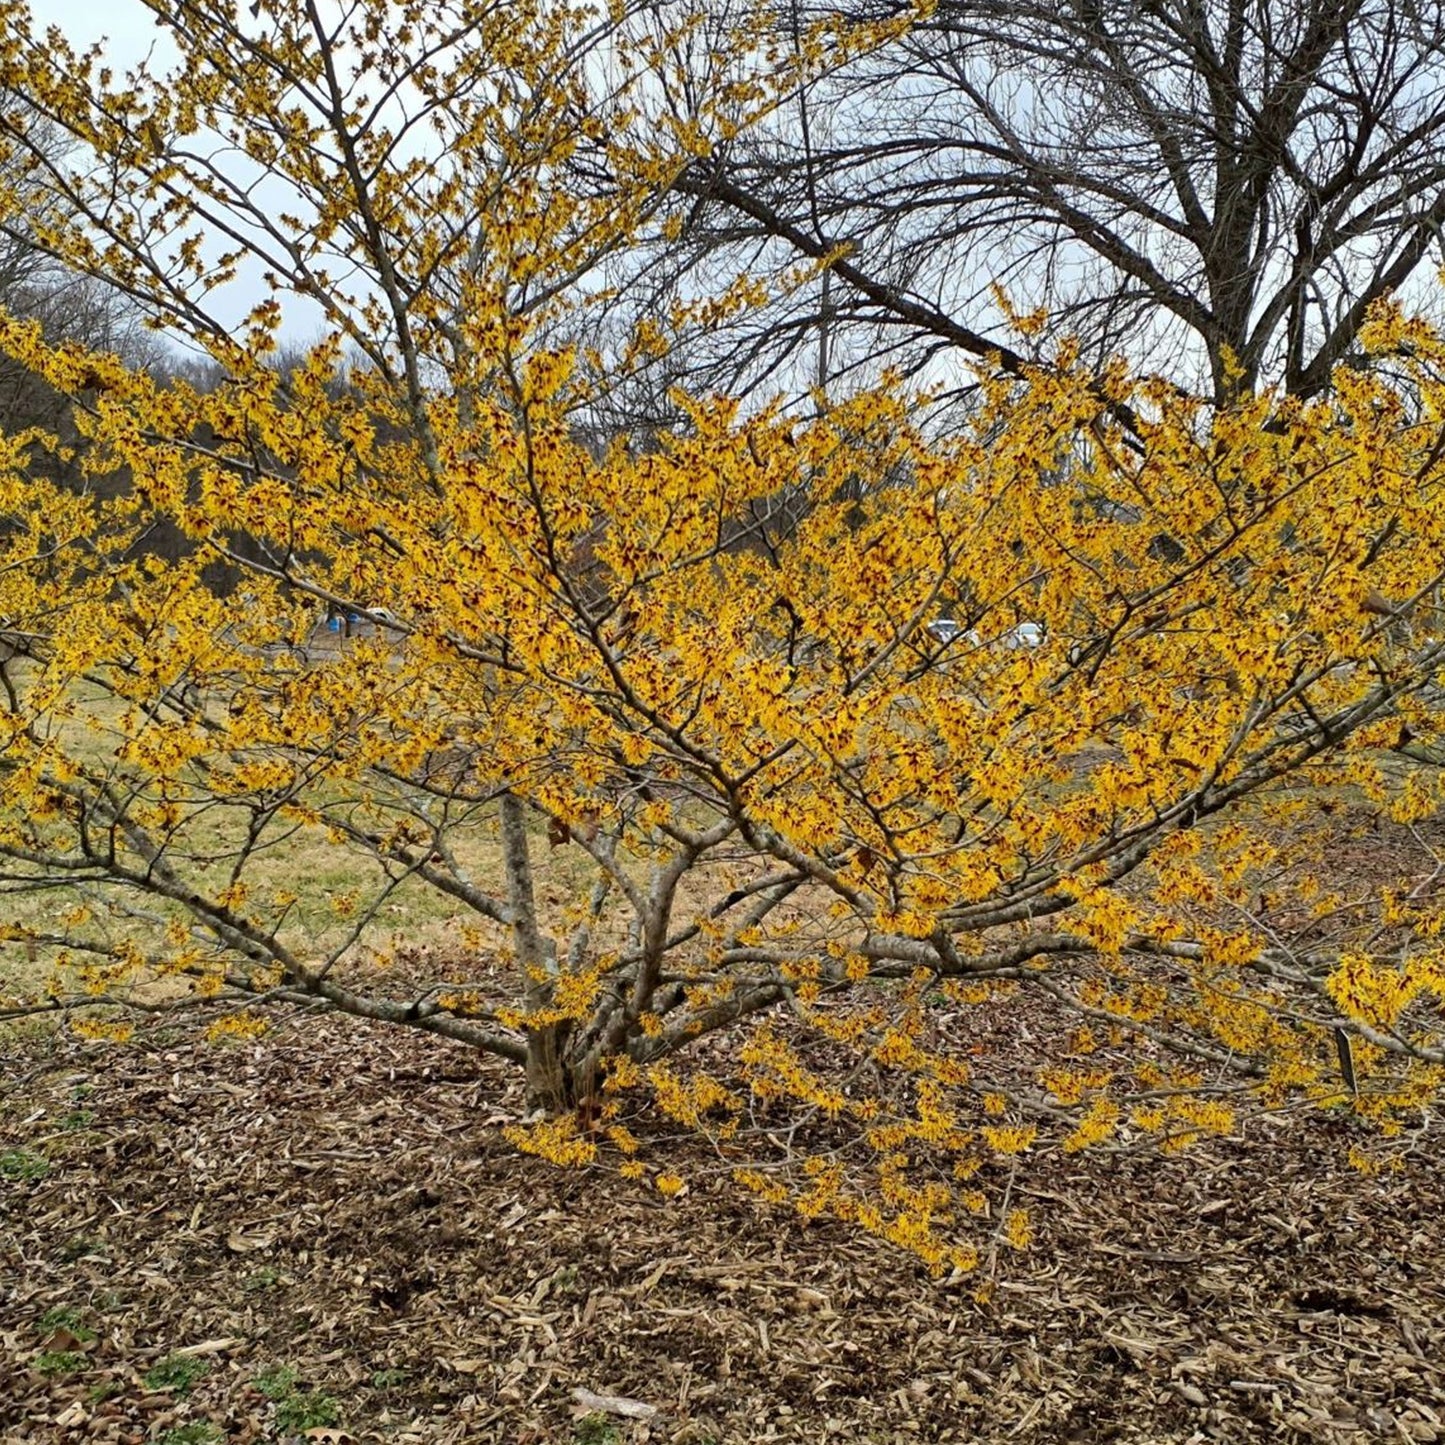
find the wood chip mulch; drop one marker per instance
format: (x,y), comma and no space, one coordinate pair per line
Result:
(323,1231)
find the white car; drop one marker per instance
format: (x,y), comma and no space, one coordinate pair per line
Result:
(1022,634)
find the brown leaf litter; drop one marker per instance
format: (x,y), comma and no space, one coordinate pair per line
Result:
(321,1235)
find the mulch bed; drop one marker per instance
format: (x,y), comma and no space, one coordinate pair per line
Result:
(328,1226)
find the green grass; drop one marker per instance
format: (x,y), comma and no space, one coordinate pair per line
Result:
(22,1165)
(198,1432)
(179,1373)
(596,1429)
(61,1362)
(277,1381)
(306,1411)
(68,1318)
(298,1408)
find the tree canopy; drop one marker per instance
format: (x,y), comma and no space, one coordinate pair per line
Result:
(1220,190)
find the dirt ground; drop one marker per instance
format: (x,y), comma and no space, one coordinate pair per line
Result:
(323,1231)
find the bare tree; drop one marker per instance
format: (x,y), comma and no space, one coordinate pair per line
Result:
(37,286)
(1219,188)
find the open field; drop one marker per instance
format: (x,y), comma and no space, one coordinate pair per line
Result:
(329,884)
(325,1228)
(299,861)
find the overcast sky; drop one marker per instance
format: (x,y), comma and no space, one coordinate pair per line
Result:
(128,26)
(131,34)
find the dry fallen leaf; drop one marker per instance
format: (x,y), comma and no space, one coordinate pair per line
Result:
(72,1415)
(614,1404)
(211,1347)
(240,1242)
